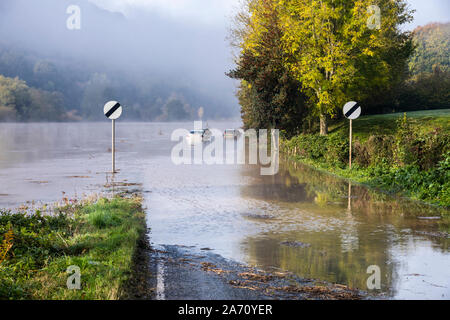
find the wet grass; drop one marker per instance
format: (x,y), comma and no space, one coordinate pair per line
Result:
(100,238)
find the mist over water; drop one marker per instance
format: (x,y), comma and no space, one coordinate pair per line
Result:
(145,48)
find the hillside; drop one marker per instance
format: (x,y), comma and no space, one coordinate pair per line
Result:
(151,63)
(432,48)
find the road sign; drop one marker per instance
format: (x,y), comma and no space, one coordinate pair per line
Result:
(112,110)
(352,110)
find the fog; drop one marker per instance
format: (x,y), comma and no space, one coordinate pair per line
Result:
(143,51)
(146,44)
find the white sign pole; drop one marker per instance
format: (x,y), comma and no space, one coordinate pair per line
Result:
(113,111)
(113,146)
(351,136)
(352,111)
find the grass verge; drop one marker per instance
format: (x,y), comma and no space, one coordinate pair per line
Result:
(404,154)
(101,239)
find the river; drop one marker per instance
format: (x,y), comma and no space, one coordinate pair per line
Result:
(300,220)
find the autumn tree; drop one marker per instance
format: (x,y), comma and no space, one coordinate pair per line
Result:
(336,56)
(269,95)
(14,99)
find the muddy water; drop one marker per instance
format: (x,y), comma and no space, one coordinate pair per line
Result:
(300,220)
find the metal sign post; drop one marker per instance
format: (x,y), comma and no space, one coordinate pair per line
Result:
(352,111)
(113,146)
(351,138)
(113,111)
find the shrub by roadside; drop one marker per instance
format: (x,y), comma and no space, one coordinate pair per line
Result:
(100,238)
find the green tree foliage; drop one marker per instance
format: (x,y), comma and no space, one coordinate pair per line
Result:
(14,99)
(426,91)
(432,48)
(18,102)
(269,95)
(48,106)
(337,57)
(429,85)
(319,51)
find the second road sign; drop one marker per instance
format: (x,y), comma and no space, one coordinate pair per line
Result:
(352,110)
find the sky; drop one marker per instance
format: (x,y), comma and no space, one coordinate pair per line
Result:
(429,11)
(217,12)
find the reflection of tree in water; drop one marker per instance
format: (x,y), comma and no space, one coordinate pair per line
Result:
(325,259)
(281,187)
(374,205)
(343,253)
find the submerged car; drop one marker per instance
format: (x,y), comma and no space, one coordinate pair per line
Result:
(231,134)
(198,136)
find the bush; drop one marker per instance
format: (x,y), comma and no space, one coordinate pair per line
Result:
(380,149)
(309,146)
(336,150)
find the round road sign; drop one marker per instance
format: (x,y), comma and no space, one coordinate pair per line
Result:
(112,110)
(352,110)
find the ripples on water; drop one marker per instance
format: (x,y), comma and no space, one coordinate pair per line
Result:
(233,209)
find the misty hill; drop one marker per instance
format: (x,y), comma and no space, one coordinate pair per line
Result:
(432,48)
(160,69)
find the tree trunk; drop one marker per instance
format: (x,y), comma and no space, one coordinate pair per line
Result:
(323,125)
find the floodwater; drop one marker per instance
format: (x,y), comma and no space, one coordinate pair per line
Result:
(300,220)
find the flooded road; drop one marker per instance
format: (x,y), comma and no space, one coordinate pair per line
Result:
(300,220)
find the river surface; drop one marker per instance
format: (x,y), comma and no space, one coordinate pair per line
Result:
(299,220)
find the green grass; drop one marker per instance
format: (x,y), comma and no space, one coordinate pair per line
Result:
(423,121)
(100,238)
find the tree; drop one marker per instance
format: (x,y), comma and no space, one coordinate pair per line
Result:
(270,97)
(335,56)
(95,96)
(14,99)
(175,110)
(46,105)
(432,48)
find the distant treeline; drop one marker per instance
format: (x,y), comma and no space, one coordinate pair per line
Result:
(34,88)
(428,82)
(300,61)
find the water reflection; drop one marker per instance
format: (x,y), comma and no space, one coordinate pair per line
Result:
(300,220)
(347,229)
